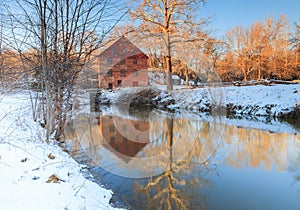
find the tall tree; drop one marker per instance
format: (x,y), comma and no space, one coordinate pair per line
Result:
(63,34)
(167,16)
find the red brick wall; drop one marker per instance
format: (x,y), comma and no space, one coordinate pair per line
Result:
(123,56)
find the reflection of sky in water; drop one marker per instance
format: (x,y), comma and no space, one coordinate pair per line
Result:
(253,188)
(214,165)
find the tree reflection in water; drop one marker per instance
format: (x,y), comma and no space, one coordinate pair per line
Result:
(180,185)
(188,152)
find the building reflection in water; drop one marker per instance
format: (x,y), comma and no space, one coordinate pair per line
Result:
(237,147)
(125,138)
(188,155)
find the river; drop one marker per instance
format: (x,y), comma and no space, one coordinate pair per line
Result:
(159,160)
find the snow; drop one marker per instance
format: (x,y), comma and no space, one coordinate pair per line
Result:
(283,97)
(27,165)
(254,104)
(280,98)
(175,77)
(257,100)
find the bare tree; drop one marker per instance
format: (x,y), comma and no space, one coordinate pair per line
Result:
(189,54)
(62,34)
(166,190)
(261,49)
(295,40)
(167,16)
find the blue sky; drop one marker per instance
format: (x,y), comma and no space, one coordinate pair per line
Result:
(230,13)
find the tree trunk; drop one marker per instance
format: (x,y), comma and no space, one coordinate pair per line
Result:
(186,76)
(45,72)
(168,61)
(169,73)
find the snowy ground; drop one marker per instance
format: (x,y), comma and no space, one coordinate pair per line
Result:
(253,106)
(256,100)
(36,175)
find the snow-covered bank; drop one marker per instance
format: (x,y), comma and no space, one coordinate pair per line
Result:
(273,125)
(260,100)
(36,175)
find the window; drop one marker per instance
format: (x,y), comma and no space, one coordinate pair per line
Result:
(123,51)
(110,86)
(109,73)
(112,139)
(135,73)
(109,61)
(122,62)
(123,73)
(135,61)
(111,128)
(113,51)
(119,83)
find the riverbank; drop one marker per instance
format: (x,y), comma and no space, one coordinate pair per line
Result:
(279,101)
(212,150)
(36,175)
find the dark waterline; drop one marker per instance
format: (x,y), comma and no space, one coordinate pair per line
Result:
(156,160)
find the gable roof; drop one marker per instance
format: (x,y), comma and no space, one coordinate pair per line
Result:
(123,43)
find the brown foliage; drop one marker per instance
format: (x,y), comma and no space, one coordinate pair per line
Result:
(263,50)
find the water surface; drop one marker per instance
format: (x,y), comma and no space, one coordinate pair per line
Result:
(159,160)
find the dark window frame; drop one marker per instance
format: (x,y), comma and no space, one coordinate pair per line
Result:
(123,73)
(110,73)
(112,139)
(119,83)
(111,128)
